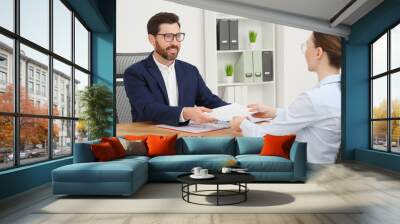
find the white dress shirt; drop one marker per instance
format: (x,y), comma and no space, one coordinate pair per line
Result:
(313,116)
(169,75)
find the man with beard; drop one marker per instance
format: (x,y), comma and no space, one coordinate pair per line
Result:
(163,89)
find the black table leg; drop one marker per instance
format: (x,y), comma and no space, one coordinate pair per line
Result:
(188,190)
(217,194)
(245,193)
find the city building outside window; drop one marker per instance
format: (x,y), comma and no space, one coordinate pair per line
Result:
(385,91)
(56,128)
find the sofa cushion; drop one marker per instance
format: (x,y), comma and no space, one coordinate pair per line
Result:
(103,152)
(257,163)
(129,159)
(207,145)
(136,137)
(185,163)
(112,171)
(277,145)
(248,145)
(158,145)
(134,147)
(116,145)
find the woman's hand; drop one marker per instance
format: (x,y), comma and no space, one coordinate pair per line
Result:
(262,111)
(235,123)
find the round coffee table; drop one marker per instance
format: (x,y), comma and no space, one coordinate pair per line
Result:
(238,179)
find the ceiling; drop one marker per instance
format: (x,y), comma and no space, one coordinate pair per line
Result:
(328,16)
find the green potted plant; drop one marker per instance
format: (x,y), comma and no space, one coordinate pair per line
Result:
(252,39)
(96,102)
(229,73)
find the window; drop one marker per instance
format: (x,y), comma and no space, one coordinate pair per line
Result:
(44,77)
(62,140)
(44,91)
(81,45)
(47,74)
(30,72)
(385,91)
(3,78)
(62,31)
(7,14)
(37,89)
(81,81)
(6,74)
(3,72)
(37,75)
(62,74)
(33,149)
(30,87)
(35,21)
(3,61)
(6,143)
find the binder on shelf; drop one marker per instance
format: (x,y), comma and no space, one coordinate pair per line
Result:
(267,66)
(233,35)
(223,34)
(257,66)
(244,67)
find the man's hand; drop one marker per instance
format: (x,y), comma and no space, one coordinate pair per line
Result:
(262,111)
(235,123)
(197,115)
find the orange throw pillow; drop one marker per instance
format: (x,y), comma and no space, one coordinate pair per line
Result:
(116,145)
(161,145)
(103,151)
(277,145)
(136,137)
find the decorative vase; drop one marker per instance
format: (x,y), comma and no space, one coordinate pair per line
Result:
(252,46)
(229,79)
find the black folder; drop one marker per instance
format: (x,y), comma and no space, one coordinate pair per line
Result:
(233,35)
(267,66)
(223,34)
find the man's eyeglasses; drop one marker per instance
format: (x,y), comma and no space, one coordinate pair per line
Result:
(169,37)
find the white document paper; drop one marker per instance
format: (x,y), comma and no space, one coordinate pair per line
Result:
(226,113)
(197,128)
(256,119)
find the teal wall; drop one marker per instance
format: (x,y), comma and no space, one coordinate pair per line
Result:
(24,178)
(99,16)
(103,52)
(356,85)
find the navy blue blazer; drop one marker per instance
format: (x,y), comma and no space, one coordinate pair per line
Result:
(145,88)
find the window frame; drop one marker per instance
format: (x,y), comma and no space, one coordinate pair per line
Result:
(16,114)
(388,74)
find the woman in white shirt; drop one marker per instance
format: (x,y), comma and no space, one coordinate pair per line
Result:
(313,116)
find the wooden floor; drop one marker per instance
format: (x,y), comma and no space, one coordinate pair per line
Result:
(378,188)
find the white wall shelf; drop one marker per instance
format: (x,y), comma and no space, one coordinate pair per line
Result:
(245,84)
(216,60)
(241,51)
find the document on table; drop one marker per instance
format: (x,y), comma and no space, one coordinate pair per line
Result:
(223,115)
(257,119)
(197,128)
(226,113)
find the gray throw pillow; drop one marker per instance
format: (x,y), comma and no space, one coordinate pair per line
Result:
(136,147)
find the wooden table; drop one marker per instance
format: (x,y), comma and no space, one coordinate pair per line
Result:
(145,128)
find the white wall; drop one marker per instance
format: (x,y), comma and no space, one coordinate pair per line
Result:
(132,17)
(291,69)
(293,78)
